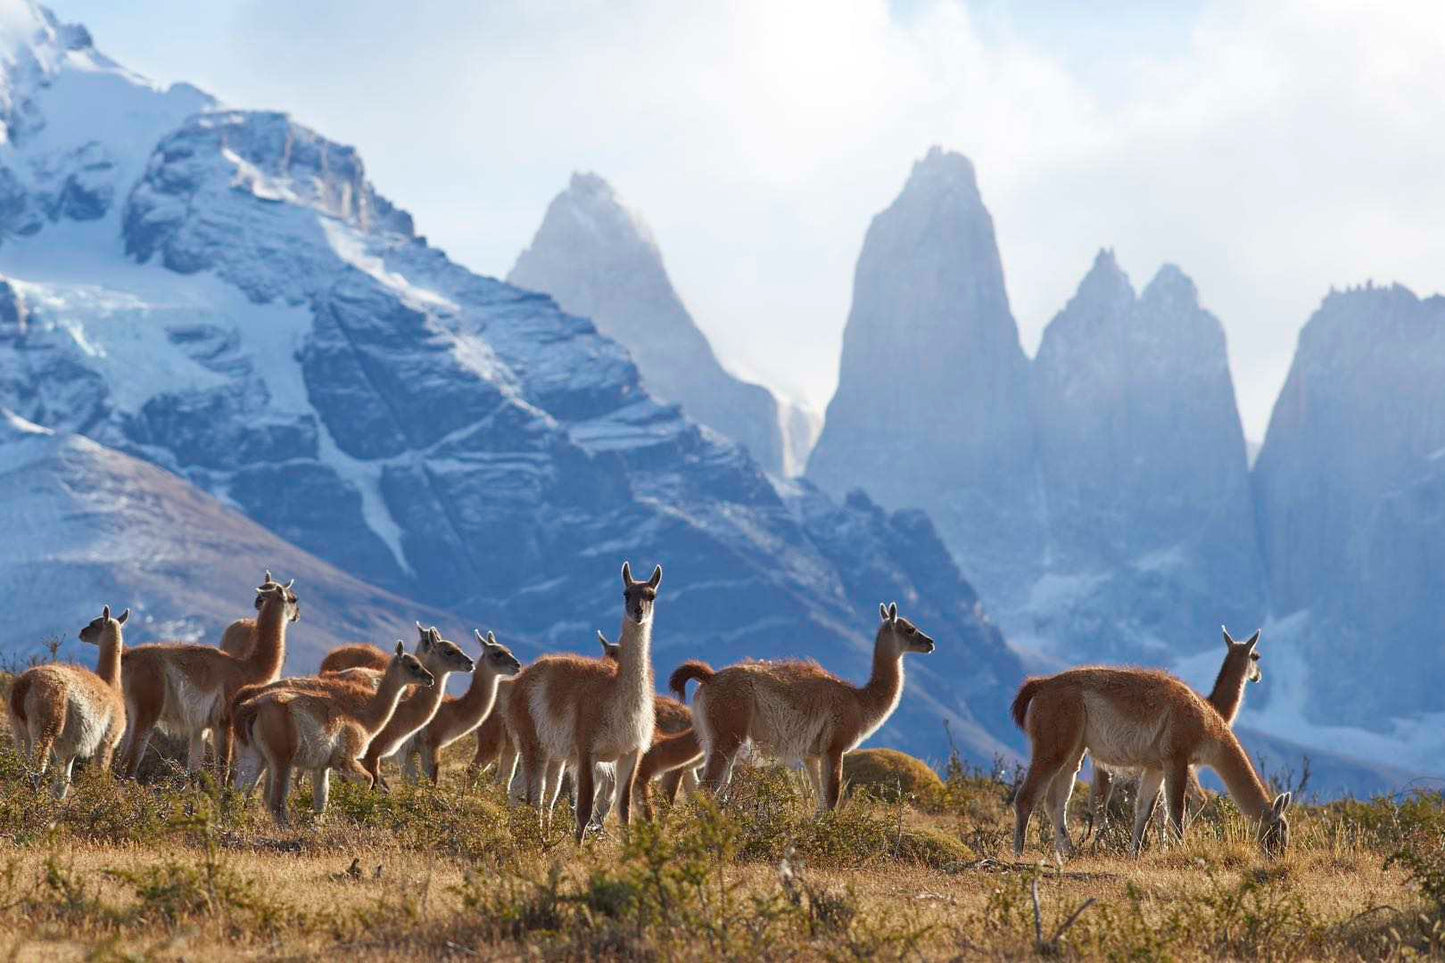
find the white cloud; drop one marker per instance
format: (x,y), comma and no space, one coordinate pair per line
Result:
(1271,150)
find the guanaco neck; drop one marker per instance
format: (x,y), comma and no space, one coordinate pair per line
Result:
(477,702)
(880,696)
(1228,693)
(109,666)
(378,710)
(634,671)
(421,706)
(268,652)
(1233,765)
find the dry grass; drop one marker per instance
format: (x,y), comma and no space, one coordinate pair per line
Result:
(169,871)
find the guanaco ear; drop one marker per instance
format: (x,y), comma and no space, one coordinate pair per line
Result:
(893,612)
(883,611)
(603,639)
(480,637)
(1281,804)
(656,579)
(289,584)
(123,616)
(626,574)
(105,612)
(399,647)
(267,578)
(422,634)
(1252,641)
(491,637)
(1228,639)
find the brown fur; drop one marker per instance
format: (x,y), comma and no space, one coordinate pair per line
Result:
(65,712)
(249,766)
(569,711)
(1132,718)
(151,671)
(687,672)
(1240,667)
(354,657)
(457,717)
(441,658)
(347,715)
(240,635)
(795,709)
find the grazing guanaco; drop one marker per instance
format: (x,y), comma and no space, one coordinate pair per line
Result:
(797,711)
(441,657)
(567,709)
(66,712)
(457,717)
(1241,667)
(1137,719)
(323,728)
(185,690)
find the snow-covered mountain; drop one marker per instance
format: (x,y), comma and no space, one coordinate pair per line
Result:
(236,304)
(932,405)
(1151,537)
(599,260)
(86,525)
(1350,489)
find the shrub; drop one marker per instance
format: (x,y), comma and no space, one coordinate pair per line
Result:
(890,775)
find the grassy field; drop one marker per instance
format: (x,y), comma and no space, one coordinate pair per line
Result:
(166,870)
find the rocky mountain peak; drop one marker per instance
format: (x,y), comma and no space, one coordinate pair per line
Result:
(599,260)
(931,409)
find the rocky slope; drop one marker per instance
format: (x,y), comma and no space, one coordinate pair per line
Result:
(247,312)
(1350,489)
(87,525)
(932,405)
(599,261)
(1144,472)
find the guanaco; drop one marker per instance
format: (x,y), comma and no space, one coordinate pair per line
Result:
(323,728)
(240,635)
(1241,667)
(66,712)
(441,657)
(567,709)
(797,711)
(185,689)
(670,716)
(496,747)
(1136,719)
(457,717)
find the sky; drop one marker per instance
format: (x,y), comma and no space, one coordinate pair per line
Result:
(1271,150)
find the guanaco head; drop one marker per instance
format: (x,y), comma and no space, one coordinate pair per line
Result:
(439,655)
(496,657)
(610,650)
(270,588)
(410,668)
(1243,655)
(899,634)
(1274,827)
(638,597)
(97,629)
